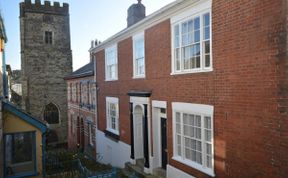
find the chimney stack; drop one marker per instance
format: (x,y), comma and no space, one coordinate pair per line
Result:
(136,12)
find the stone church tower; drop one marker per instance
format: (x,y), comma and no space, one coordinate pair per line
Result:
(46,58)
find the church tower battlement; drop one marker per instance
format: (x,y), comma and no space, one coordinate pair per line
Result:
(37,7)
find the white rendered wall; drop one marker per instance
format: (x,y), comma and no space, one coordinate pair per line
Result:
(173,172)
(111,152)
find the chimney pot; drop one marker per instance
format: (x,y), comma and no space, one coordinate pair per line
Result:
(136,12)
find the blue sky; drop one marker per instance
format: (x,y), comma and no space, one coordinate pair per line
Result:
(89,20)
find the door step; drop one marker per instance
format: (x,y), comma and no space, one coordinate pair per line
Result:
(159,172)
(132,169)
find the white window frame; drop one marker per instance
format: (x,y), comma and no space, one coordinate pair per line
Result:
(196,109)
(107,75)
(136,38)
(196,11)
(112,100)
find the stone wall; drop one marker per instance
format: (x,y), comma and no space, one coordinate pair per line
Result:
(45,65)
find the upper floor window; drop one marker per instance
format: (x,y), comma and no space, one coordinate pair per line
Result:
(111,63)
(192,42)
(139,56)
(112,115)
(48,37)
(193,136)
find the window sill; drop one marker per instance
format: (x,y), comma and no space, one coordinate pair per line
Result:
(111,80)
(139,77)
(196,166)
(192,71)
(112,135)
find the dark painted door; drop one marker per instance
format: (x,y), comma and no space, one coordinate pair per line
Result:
(164,142)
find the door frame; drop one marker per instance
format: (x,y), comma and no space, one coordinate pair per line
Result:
(143,100)
(156,125)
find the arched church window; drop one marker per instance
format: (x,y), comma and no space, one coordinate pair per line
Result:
(51,114)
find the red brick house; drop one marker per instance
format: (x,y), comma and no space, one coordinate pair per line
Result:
(198,88)
(82,109)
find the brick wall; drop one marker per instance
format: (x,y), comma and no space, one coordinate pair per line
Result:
(247,87)
(81,109)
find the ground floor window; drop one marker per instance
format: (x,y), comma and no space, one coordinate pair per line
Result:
(20,149)
(112,114)
(193,135)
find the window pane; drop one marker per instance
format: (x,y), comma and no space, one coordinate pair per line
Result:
(208,149)
(190,26)
(199,158)
(193,143)
(198,133)
(113,123)
(188,154)
(186,130)
(197,62)
(176,36)
(198,121)
(185,118)
(178,128)
(178,117)
(176,30)
(184,28)
(207,33)
(179,139)
(207,47)
(207,19)
(209,161)
(196,36)
(177,56)
(197,23)
(198,146)
(207,121)
(179,150)
(207,60)
(194,155)
(20,153)
(208,135)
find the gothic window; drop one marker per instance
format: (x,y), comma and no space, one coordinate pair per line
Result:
(48,37)
(51,114)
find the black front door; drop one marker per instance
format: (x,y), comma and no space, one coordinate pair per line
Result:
(164,142)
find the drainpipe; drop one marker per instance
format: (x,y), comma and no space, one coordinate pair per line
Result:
(5,83)
(44,154)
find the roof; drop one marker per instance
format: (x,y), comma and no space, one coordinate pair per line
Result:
(2,29)
(85,71)
(162,14)
(24,116)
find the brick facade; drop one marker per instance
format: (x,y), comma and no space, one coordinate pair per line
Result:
(247,87)
(81,94)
